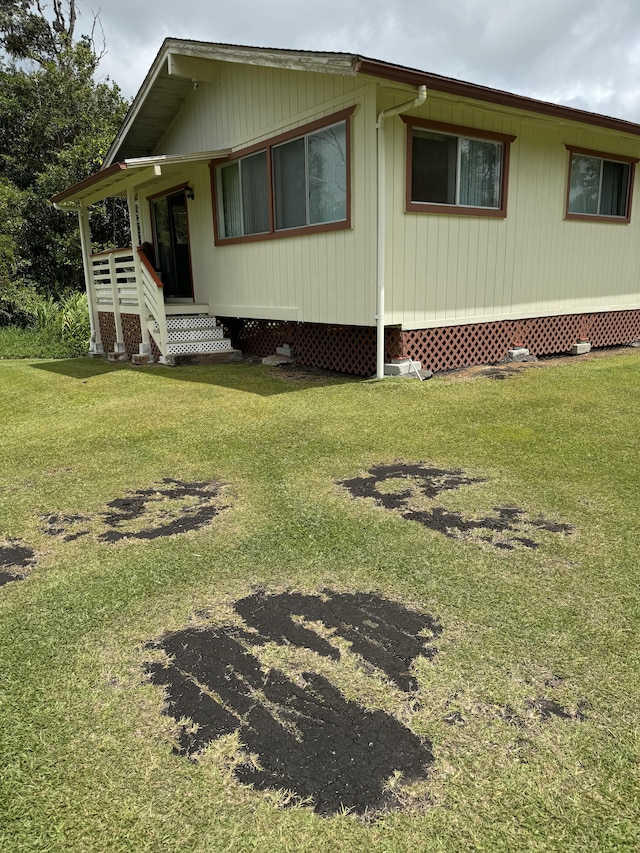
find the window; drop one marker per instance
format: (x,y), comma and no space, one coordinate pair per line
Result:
(599,186)
(297,181)
(244,196)
(456,170)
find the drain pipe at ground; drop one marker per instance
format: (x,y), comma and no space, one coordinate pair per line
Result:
(392,111)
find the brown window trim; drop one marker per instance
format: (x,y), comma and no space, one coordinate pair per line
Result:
(273,234)
(170,191)
(601,155)
(470,133)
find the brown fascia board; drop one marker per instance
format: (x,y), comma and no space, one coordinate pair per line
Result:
(450,86)
(87,183)
(345,63)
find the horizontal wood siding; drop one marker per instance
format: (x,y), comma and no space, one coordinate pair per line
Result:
(449,270)
(319,278)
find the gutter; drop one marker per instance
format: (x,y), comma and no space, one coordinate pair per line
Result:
(420,98)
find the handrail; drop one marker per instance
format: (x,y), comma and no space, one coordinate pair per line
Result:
(149,266)
(154,301)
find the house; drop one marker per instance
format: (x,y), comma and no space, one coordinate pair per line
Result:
(358,211)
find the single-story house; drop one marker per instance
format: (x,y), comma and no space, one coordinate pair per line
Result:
(359,211)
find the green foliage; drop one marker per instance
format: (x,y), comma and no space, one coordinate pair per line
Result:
(58,329)
(65,322)
(56,123)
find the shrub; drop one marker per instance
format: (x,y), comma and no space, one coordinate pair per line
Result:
(57,329)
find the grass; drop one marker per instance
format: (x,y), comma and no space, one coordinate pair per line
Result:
(85,753)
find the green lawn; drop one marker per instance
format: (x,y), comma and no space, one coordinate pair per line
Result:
(86,761)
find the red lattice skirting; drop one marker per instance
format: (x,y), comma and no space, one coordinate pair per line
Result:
(346,349)
(352,349)
(451,347)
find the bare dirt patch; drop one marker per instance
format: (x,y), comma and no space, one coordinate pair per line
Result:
(165,509)
(509,370)
(305,736)
(15,560)
(296,729)
(411,489)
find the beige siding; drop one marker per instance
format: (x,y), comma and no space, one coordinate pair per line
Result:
(324,278)
(441,270)
(445,270)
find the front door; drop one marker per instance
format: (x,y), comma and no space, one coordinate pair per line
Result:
(171,238)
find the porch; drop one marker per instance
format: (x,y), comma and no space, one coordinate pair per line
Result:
(132,314)
(130,318)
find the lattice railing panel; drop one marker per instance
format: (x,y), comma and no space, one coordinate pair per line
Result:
(132,333)
(107,330)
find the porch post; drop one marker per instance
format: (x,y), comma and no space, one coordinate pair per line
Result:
(119,346)
(95,346)
(145,344)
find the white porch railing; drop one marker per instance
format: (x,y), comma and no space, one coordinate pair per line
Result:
(114,279)
(123,281)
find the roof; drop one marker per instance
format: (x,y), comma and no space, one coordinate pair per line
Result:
(181,63)
(119,177)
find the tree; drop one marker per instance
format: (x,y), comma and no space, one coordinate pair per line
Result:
(56,123)
(31,29)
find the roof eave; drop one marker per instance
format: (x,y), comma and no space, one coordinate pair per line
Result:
(101,184)
(448,85)
(296,60)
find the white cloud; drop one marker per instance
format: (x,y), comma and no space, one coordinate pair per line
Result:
(585,53)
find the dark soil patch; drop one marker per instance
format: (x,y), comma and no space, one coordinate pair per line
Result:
(382,632)
(549,708)
(504,527)
(170,508)
(309,739)
(14,558)
(499,372)
(58,525)
(539,363)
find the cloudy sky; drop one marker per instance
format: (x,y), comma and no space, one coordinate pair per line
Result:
(582,53)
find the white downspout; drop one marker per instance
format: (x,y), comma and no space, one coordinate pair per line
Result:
(392,111)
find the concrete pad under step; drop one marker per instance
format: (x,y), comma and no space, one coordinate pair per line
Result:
(204,358)
(117,356)
(141,359)
(401,366)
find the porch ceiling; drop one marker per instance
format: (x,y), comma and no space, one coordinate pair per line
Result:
(117,179)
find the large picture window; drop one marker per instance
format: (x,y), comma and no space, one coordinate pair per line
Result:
(456,170)
(298,181)
(599,186)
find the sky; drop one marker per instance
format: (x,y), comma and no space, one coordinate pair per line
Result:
(580,53)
